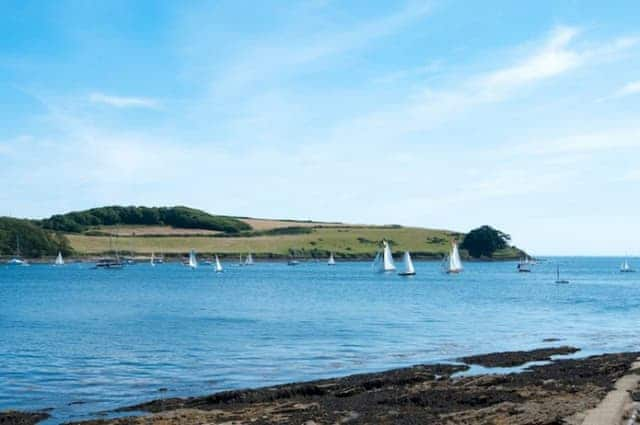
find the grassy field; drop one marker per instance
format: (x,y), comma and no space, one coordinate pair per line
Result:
(346,241)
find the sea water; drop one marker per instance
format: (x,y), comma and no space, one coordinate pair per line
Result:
(82,341)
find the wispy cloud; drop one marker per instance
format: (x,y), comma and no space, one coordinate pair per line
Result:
(273,58)
(123,101)
(629,89)
(553,59)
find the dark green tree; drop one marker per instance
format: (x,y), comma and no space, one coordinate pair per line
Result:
(484,241)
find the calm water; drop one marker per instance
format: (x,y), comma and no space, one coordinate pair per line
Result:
(82,341)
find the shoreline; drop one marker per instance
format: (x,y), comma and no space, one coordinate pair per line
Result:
(257,258)
(558,391)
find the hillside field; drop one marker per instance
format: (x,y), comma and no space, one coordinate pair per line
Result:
(345,241)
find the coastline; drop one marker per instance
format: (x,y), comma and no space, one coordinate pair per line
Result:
(556,391)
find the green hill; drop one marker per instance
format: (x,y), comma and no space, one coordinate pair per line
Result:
(176,230)
(179,217)
(34,241)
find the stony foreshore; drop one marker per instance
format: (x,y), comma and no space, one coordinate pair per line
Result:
(564,391)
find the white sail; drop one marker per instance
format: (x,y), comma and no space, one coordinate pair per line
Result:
(384,260)
(153,260)
(59,259)
(218,265)
(332,261)
(455,264)
(408,264)
(249,260)
(193,262)
(388,258)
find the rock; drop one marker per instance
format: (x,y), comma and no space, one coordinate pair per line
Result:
(12,417)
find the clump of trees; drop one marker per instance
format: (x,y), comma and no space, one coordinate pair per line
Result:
(484,241)
(179,217)
(34,241)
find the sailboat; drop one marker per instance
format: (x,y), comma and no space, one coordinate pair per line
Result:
(108,262)
(16,260)
(384,261)
(153,260)
(558,280)
(409,270)
(524,266)
(59,260)
(249,260)
(453,263)
(625,267)
(218,265)
(193,262)
(332,261)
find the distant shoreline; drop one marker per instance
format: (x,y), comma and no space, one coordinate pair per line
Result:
(258,258)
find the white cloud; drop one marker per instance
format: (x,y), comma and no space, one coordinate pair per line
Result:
(555,58)
(124,102)
(629,89)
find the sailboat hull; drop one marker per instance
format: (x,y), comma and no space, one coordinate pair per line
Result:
(407,274)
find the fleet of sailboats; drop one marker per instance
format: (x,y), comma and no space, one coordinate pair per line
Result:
(383,261)
(453,264)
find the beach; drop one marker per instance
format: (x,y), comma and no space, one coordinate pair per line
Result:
(561,391)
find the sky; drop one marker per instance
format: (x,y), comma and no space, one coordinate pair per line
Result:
(446,113)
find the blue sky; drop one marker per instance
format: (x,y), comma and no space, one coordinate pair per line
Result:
(444,113)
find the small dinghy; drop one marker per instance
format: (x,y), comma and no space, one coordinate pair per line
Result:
(409,270)
(384,261)
(193,261)
(453,264)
